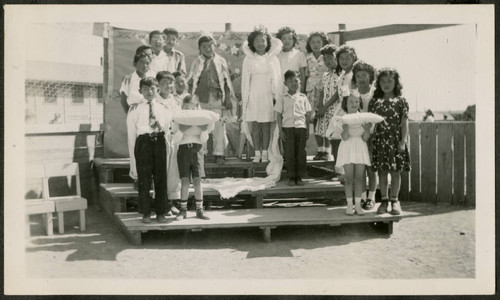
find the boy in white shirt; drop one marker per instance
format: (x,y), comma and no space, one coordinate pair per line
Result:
(147,125)
(188,159)
(129,89)
(293,112)
(176,61)
(181,87)
(160,60)
(167,99)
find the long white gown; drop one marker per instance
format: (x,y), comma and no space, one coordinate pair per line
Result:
(261,82)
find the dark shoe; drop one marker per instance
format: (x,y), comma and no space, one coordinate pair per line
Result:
(298,181)
(181,215)
(291,181)
(382,209)
(220,160)
(161,219)
(324,156)
(396,208)
(318,156)
(146,219)
(363,203)
(200,214)
(369,204)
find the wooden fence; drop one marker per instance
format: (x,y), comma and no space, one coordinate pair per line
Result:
(443,163)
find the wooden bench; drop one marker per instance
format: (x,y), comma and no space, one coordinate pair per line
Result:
(38,206)
(266,219)
(113,197)
(59,204)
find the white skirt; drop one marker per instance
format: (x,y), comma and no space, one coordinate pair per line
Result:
(353,151)
(260,107)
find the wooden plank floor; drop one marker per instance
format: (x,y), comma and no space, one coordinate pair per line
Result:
(266,219)
(232,162)
(310,186)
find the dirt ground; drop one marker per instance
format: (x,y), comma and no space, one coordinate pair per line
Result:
(438,243)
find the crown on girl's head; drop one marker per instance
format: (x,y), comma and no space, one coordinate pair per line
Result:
(261,28)
(206,36)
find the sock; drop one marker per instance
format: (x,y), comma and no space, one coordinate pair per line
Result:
(264,152)
(328,150)
(257,152)
(371,195)
(357,201)
(321,149)
(199,204)
(184,204)
(363,195)
(394,198)
(349,202)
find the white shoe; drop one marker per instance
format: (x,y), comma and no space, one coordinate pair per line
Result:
(265,159)
(256,159)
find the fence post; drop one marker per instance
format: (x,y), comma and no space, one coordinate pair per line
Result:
(470,163)
(445,163)
(428,178)
(414,135)
(458,163)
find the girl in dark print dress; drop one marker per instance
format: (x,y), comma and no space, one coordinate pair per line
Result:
(390,151)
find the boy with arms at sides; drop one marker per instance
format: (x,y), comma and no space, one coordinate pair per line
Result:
(166,81)
(188,160)
(211,85)
(159,60)
(175,59)
(129,89)
(147,124)
(181,87)
(293,113)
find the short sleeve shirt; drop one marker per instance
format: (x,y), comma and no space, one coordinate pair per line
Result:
(131,87)
(292,60)
(293,109)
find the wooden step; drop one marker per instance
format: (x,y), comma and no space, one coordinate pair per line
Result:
(106,167)
(113,197)
(265,219)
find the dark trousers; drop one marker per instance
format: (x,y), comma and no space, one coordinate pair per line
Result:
(295,151)
(151,160)
(335,149)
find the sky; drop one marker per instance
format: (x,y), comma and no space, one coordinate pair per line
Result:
(420,56)
(240,27)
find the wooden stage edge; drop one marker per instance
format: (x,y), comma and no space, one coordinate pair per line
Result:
(265,219)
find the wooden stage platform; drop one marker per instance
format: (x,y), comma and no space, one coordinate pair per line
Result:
(113,197)
(106,167)
(265,219)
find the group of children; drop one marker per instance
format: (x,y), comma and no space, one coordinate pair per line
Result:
(151,96)
(319,88)
(279,84)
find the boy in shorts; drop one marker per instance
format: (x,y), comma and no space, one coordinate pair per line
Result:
(188,160)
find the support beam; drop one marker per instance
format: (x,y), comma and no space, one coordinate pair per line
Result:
(373,32)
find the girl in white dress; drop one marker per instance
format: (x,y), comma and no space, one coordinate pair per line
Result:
(353,156)
(261,85)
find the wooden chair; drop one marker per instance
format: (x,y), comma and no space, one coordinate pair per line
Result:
(41,205)
(66,203)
